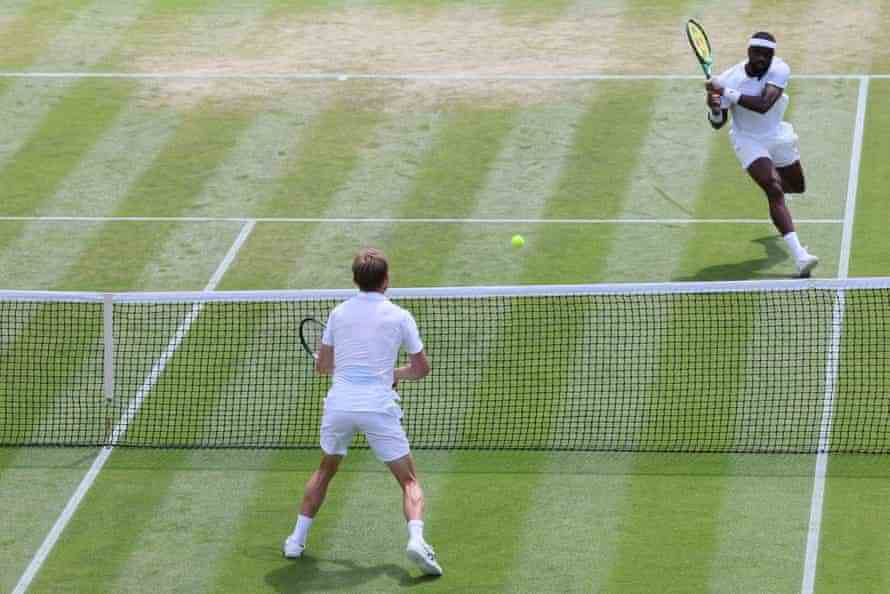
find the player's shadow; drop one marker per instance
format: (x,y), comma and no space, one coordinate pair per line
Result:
(311,574)
(747,269)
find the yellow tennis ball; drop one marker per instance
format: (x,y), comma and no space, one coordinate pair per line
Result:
(518,241)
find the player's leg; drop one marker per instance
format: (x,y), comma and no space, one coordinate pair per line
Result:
(387,438)
(418,550)
(317,486)
(792,178)
(313,497)
(337,431)
(405,473)
(784,150)
(765,174)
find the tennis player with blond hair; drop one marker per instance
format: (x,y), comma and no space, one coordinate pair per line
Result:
(754,93)
(359,347)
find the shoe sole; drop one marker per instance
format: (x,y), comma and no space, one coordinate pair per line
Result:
(424,565)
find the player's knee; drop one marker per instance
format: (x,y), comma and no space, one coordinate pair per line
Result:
(774,191)
(412,490)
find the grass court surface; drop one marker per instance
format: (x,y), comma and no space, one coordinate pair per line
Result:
(147,181)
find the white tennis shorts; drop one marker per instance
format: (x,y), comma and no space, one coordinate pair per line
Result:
(782,149)
(383,430)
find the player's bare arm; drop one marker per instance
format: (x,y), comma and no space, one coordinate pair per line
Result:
(759,103)
(324,363)
(717,116)
(418,367)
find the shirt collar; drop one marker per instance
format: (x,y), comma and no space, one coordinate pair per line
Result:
(371,295)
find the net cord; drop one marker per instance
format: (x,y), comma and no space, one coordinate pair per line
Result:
(461,292)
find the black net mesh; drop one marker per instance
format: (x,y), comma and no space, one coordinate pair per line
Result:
(750,371)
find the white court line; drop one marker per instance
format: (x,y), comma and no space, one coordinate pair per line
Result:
(344,76)
(831,367)
(387,220)
(121,427)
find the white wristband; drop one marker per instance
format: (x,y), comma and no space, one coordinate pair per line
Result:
(717,117)
(732,95)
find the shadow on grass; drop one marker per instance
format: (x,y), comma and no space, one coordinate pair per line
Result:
(748,269)
(310,574)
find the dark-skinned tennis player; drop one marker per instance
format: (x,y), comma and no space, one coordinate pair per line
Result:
(753,92)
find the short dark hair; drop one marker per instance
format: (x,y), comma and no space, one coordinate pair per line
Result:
(369,269)
(764,35)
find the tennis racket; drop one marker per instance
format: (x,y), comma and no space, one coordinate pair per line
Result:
(698,39)
(311,331)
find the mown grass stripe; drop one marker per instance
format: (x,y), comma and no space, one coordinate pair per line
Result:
(42,253)
(32,30)
(677,533)
(164,24)
(668,172)
(29,102)
(252,169)
(593,182)
(117,160)
(70,130)
(171,185)
(389,163)
(34,484)
(327,153)
(522,177)
(450,177)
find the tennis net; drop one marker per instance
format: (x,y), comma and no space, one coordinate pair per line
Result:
(784,366)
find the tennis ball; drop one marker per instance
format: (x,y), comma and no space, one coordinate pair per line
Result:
(518,241)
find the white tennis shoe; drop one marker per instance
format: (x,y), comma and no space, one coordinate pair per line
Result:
(292,548)
(424,557)
(805,265)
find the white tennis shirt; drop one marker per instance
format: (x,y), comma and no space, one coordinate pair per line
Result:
(745,121)
(367,332)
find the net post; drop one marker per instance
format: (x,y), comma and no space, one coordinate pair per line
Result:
(108,364)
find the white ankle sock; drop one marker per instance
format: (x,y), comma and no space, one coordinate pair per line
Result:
(794,244)
(301,530)
(415,530)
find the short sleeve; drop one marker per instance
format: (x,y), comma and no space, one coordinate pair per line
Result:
(327,337)
(778,75)
(410,335)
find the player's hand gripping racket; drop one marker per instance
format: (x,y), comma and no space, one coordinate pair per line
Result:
(698,39)
(311,331)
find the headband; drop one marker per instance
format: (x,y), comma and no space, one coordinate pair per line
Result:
(757,42)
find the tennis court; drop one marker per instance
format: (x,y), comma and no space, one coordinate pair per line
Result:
(221,146)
